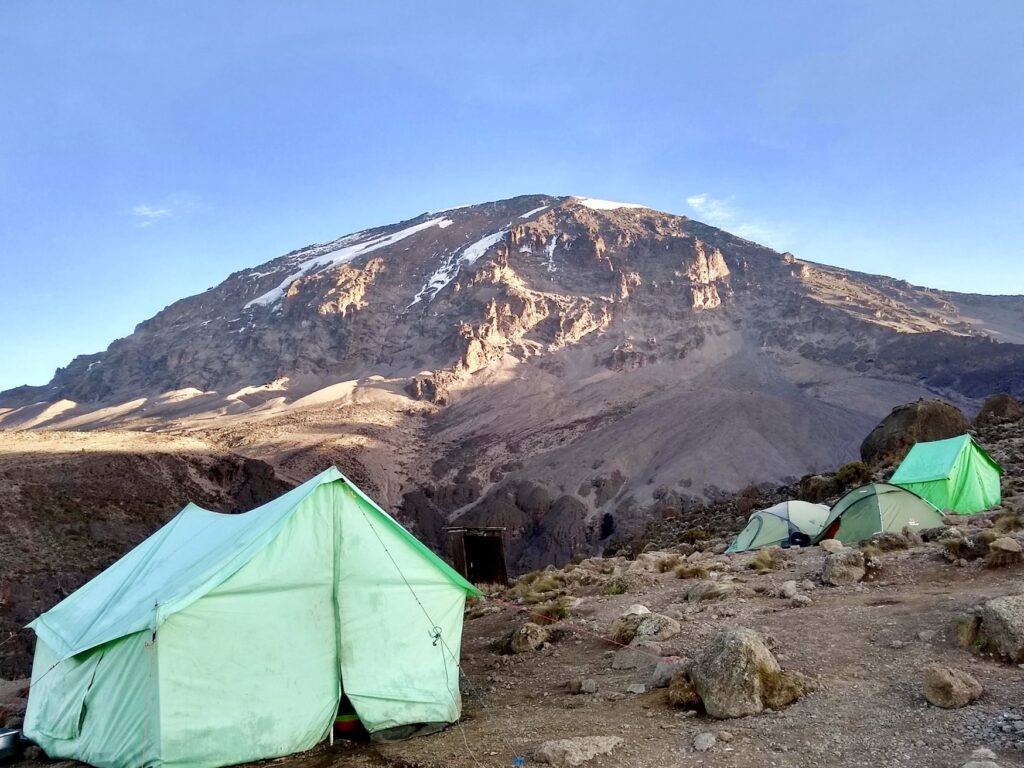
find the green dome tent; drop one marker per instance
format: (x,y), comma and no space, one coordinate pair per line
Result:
(224,639)
(877,508)
(774,526)
(953,474)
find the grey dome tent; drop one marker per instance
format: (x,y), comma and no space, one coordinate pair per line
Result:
(877,508)
(782,524)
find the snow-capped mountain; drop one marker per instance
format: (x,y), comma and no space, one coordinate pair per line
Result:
(600,352)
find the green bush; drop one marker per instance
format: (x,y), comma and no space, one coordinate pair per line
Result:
(854,473)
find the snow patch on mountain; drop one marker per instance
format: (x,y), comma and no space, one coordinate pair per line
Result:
(452,263)
(528,214)
(604,205)
(341,256)
(550,248)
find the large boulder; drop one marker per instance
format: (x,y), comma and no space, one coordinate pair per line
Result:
(999,409)
(573,752)
(1002,626)
(918,422)
(843,567)
(949,688)
(737,675)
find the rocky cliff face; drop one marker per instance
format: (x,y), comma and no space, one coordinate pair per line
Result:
(564,343)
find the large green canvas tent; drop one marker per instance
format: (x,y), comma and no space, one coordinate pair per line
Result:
(954,474)
(223,639)
(776,525)
(877,508)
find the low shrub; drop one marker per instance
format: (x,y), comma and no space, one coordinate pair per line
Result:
(616,585)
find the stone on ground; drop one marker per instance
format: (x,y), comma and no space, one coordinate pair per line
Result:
(702,742)
(788,589)
(948,687)
(1005,544)
(737,675)
(843,567)
(528,637)
(577,751)
(1002,626)
(665,670)
(642,656)
(832,545)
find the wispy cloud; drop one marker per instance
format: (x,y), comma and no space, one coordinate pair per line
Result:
(722,212)
(146,214)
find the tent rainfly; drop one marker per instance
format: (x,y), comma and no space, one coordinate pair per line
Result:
(877,508)
(224,639)
(954,474)
(777,525)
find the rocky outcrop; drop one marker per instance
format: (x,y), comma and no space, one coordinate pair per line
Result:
(918,422)
(999,409)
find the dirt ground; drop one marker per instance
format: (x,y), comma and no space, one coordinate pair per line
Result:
(860,643)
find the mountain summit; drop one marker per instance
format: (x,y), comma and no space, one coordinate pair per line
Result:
(547,363)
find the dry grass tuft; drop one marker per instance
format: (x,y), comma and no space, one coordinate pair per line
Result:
(537,587)
(668,563)
(688,570)
(1008,522)
(616,585)
(552,611)
(765,561)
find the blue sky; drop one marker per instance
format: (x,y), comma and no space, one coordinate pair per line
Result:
(147,150)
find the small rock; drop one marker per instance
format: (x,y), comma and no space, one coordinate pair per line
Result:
(588,686)
(800,601)
(724,736)
(642,656)
(926,636)
(636,688)
(949,688)
(983,754)
(702,742)
(807,585)
(832,545)
(528,637)
(1006,544)
(666,670)
(788,589)
(636,610)
(577,751)
(843,567)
